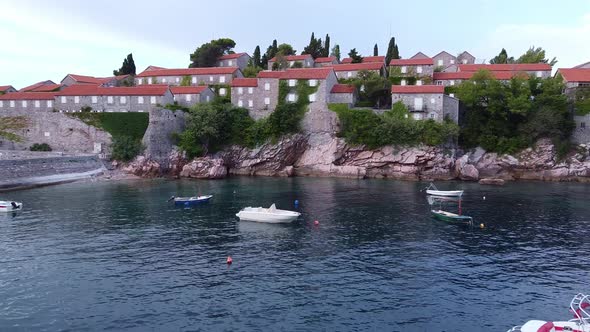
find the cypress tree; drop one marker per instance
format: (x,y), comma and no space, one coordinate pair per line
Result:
(375,50)
(256,57)
(326,46)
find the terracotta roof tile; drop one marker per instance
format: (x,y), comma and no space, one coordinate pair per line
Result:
(412,62)
(506,67)
(232,56)
(325,59)
(189,71)
(357,66)
(28,96)
(36,85)
(402,89)
(367,59)
(95,90)
(343,88)
(293,57)
(269,74)
(244,82)
(5,87)
(575,74)
(179,90)
(306,73)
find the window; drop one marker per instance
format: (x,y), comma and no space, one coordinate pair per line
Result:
(452,82)
(452,95)
(250,90)
(63,100)
(266,101)
(452,61)
(46,134)
(24,103)
(582,124)
(291,97)
(432,115)
(292,82)
(123,100)
(439,62)
(417,116)
(419,69)
(149,80)
(539,74)
(12,103)
(37,103)
(208,98)
(419,82)
(194,80)
(94,99)
(139,81)
(240,91)
(109,99)
(291,63)
(140,111)
(432,100)
(221,79)
(222,91)
(76,99)
(313,82)
(464,61)
(418,103)
(240,103)
(439,82)
(210,78)
(1,103)
(307,63)
(177,79)
(230,63)
(403,82)
(50,103)
(187,97)
(152,100)
(163,80)
(140,100)
(266,86)
(312,97)
(404,69)
(250,103)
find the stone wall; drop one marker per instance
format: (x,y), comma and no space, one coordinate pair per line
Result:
(113,103)
(432,105)
(158,138)
(11,169)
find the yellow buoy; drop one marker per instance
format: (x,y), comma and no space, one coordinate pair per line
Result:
(482,225)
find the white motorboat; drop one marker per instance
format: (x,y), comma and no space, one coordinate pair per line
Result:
(579,306)
(270,215)
(433,190)
(9,206)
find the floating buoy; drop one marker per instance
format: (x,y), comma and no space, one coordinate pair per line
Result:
(296,202)
(484,198)
(229,260)
(482,225)
(316,222)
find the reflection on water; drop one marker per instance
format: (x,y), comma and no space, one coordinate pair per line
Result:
(96,256)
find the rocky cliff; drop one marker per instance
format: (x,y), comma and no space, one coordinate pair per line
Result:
(318,152)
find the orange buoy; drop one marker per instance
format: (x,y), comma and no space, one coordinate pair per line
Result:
(229,260)
(316,222)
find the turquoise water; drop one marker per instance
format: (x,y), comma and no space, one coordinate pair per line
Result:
(116,256)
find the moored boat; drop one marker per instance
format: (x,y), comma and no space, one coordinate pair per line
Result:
(579,306)
(433,190)
(191,200)
(271,215)
(10,206)
(451,217)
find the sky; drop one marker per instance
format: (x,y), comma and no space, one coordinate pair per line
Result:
(44,40)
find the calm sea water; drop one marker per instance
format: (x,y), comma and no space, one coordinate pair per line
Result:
(116,256)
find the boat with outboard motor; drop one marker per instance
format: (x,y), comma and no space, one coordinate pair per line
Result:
(579,306)
(10,206)
(190,200)
(271,215)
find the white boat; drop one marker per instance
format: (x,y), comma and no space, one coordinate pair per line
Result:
(9,206)
(433,190)
(271,215)
(579,306)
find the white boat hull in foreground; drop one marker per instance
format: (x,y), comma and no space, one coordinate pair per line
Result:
(446,193)
(9,206)
(271,215)
(579,306)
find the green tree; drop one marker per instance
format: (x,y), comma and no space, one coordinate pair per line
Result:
(502,58)
(11,124)
(297,64)
(392,51)
(286,49)
(125,148)
(336,52)
(375,50)
(128,67)
(535,55)
(186,81)
(315,47)
(256,60)
(356,58)
(209,53)
(582,101)
(251,70)
(326,49)
(280,62)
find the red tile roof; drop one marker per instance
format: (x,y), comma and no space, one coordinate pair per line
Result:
(402,89)
(306,73)
(507,67)
(95,90)
(46,88)
(244,82)
(28,96)
(367,59)
(270,74)
(343,88)
(154,68)
(185,90)
(412,62)
(86,79)
(189,71)
(5,87)
(357,66)
(293,57)
(36,85)
(575,74)
(232,56)
(325,59)
(465,75)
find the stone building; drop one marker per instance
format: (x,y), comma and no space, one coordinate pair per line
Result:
(43,86)
(113,99)
(368,59)
(540,70)
(239,60)
(244,93)
(326,61)
(465,58)
(576,79)
(426,102)
(451,78)
(344,94)
(27,101)
(120,80)
(6,89)
(306,61)
(210,76)
(190,95)
(419,68)
(444,60)
(351,70)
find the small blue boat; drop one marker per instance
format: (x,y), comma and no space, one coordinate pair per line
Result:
(190,200)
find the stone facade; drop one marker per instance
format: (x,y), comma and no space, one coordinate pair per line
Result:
(351,70)
(426,102)
(326,61)
(306,61)
(444,59)
(189,96)
(344,98)
(465,58)
(420,68)
(198,76)
(121,80)
(27,102)
(239,60)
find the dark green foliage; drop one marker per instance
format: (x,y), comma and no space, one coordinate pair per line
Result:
(186,81)
(375,50)
(336,52)
(125,148)
(582,101)
(251,71)
(502,58)
(315,47)
(297,64)
(86,109)
(356,58)
(117,124)
(207,54)
(128,67)
(374,90)
(256,60)
(506,118)
(392,51)
(286,49)
(326,50)
(40,147)
(364,127)
(535,55)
